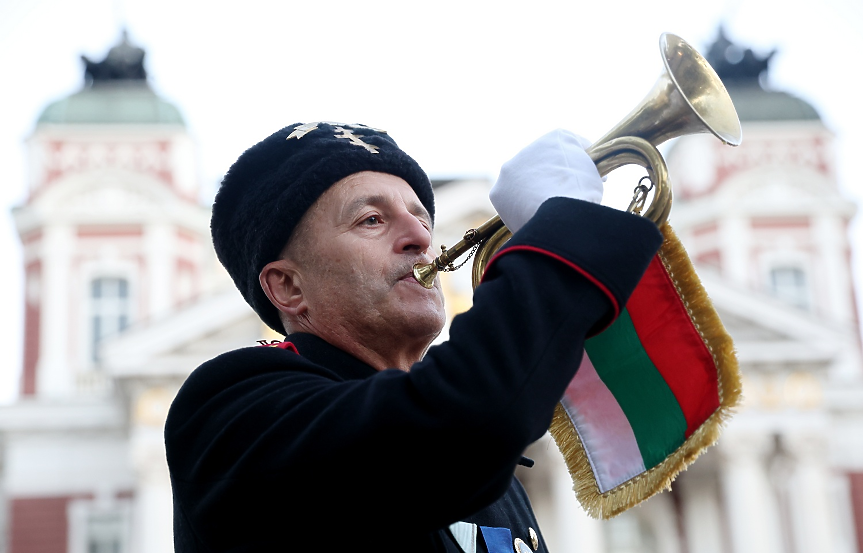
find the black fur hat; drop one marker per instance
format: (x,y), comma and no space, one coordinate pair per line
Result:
(269,188)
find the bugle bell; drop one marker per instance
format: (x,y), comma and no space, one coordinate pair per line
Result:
(687,98)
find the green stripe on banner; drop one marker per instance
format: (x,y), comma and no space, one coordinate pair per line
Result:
(646,400)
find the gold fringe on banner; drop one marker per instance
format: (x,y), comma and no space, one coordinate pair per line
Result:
(658,478)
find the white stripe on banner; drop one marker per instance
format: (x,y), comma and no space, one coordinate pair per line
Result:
(603,427)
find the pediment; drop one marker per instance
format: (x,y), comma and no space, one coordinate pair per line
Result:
(768,332)
(109,196)
(746,329)
(109,191)
(775,189)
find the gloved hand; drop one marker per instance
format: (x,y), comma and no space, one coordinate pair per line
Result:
(555,165)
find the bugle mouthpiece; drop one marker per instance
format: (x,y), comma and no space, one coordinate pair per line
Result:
(425,273)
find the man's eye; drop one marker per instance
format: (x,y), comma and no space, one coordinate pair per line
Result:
(372,220)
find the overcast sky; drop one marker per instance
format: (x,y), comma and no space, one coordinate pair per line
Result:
(460,85)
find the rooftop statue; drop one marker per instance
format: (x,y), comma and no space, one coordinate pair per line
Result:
(736,65)
(124,62)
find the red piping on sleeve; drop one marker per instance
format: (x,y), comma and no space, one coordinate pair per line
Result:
(566,262)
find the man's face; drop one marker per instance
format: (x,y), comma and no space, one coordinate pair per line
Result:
(359,243)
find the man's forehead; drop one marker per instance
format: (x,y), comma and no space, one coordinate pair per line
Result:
(371,188)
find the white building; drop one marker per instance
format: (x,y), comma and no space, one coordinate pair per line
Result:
(767,229)
(114,238)
(124,298)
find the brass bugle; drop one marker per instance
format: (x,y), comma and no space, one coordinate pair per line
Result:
(687,98)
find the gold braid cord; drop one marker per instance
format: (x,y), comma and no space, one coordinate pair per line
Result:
(647,484)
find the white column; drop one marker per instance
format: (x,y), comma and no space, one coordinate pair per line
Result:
(53,372)
(159,247)
(702,514)
(750,501)
(661,517)
(734,238)
(809,493)
(829,235)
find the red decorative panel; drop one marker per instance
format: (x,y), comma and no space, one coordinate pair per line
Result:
(109,231)
(38,525)
(809,153)
(188,236)
(32,322)
(63,158)
(125,494)
(710,258)
(708,228)
(856,479)
(31,237)
(781,223)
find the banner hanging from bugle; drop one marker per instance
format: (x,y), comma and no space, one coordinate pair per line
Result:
(652,391)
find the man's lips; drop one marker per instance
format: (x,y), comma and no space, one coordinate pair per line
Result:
(409,277)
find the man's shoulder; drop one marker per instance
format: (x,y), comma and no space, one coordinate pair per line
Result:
(250,361)
(250,367)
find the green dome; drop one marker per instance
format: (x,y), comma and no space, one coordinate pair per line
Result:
(118,102)
(753,103)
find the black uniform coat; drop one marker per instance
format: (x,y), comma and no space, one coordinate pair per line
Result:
(270,450)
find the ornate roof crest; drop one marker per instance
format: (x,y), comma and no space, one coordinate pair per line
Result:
(734,64)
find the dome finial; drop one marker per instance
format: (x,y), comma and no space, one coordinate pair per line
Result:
(124,62)
(734,64)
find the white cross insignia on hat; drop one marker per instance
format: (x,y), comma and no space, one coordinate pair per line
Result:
(355,140)
(304,129)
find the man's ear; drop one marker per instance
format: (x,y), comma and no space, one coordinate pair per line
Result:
(282,284)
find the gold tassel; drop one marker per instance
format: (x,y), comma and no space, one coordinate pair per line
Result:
(649,483)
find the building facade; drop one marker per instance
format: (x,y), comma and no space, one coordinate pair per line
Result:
(114,237)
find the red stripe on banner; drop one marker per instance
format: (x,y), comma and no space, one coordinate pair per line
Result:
(673,344)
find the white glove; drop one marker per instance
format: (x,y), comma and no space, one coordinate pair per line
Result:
(555,165)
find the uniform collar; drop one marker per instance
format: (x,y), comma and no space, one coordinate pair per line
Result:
(323,353)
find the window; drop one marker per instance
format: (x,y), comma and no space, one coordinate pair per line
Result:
(109,302)
(99,525)
(789,285)
(104,533)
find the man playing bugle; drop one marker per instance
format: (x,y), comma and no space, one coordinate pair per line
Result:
(354,434)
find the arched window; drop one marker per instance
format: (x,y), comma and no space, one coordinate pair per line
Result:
(109,308)
(789,285)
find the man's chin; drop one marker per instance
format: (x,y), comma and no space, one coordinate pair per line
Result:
(424,321)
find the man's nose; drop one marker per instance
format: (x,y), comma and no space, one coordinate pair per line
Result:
(413,235)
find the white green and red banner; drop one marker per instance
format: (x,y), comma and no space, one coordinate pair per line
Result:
(652,391)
